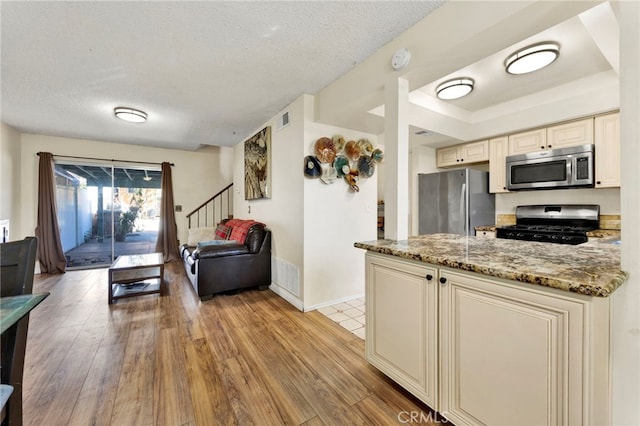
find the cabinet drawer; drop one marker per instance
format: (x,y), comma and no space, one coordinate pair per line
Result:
(486,234)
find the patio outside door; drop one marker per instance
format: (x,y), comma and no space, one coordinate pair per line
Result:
(105,210)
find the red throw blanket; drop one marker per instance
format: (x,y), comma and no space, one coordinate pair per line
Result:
(240,228)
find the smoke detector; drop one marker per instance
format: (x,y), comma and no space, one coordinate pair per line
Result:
(400,59)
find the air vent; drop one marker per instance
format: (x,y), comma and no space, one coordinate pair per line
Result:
(283,121)
(285,275)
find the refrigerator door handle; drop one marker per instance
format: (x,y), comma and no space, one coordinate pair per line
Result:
(464,211)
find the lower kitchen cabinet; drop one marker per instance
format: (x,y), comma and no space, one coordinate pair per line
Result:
(509,355)
(486,351)
(486,234)
(401,317)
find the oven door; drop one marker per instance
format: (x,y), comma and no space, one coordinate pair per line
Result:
(529,173)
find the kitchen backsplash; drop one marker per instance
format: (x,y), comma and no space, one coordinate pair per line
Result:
(607,221)
(505,219)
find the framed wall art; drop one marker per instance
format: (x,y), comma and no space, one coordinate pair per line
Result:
(257,165)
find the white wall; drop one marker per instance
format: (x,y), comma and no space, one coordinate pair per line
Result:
(283,212)
(10,179)
(626,300)
(313,225)
(196,175)
(335,218)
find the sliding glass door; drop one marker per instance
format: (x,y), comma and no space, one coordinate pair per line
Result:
(105,210)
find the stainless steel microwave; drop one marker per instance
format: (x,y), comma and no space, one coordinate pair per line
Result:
(553,168)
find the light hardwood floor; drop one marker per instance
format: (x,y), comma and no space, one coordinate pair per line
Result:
(250,358)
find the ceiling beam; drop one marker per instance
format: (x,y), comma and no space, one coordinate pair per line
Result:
(127,173)
(602,25)
(448,39)
(88,172)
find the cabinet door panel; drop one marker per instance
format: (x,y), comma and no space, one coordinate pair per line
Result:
(447,156)
(505,355)
(497,166)
(401,318)
(607,157)
(570,134)
(521,143)
(475,152)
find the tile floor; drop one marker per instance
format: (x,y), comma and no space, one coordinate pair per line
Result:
(348,314)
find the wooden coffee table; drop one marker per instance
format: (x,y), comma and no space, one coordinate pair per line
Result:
(135,275)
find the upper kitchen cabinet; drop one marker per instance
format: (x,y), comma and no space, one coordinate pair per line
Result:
(563,135)
(531,141)
(498,151)
(570,134)
(607,156)
(468,153)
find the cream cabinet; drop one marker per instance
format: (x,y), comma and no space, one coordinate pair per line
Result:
(560,136)
(401,317)
(482,350)
(469,153)
(607,156)
(498,151)
(570,134)
(447,156)
(531,141)
(510,355)
(486,234)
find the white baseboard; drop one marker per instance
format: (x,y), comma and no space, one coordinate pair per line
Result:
(299,305)
(332,302)
(282,292)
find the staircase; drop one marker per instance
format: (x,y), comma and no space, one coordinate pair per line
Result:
(212,211)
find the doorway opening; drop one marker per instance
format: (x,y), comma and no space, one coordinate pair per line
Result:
(106,210)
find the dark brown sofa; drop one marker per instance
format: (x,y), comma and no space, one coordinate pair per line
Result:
(225,266)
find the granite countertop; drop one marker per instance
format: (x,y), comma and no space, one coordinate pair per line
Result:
(592,268)
(604,233)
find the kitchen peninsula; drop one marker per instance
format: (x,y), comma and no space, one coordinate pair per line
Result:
(492,331)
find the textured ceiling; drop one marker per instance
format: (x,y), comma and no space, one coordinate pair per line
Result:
(207,73)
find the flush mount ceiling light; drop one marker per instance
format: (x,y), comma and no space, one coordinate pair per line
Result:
(454,89)
(130,114)
(532,58)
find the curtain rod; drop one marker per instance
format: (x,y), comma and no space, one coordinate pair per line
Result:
(107,159)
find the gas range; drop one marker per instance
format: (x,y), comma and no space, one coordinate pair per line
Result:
(562,224)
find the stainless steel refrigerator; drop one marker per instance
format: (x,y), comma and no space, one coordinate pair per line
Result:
(454,202)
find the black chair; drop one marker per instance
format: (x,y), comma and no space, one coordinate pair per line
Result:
(17,261)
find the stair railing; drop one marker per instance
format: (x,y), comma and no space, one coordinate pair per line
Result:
(206,213)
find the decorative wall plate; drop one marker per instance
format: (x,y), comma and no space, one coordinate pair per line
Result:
(365,146)
(377,155)
(339,143)
(329,175)
(312,167)
(366,166)
(352,150)
(339,163)
(325,150)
